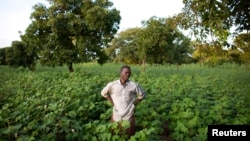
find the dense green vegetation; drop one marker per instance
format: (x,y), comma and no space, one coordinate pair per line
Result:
(53,104)
(182,100)
(77,31)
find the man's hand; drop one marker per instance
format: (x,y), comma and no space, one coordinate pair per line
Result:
(110,100)
(137,101)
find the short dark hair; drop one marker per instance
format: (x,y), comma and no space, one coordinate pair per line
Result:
(125,66)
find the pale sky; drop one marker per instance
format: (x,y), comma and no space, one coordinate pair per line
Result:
(14,14)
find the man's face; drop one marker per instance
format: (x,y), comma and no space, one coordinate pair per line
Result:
(125,74)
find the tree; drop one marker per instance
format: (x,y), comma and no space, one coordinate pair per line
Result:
(209,54)
(72,31)
(206,20)
(239,14)
(161,42)
(235,56)
(215,18)
(242,43)
(201,52)
(3,56)
(19,55)
(124,47)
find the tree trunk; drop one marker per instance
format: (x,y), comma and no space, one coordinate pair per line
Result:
(71,67)
(143,65)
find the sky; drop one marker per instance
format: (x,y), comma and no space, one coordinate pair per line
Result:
(15,14)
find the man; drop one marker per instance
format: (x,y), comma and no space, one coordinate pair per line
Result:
(124,94)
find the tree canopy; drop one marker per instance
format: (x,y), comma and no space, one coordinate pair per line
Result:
(20,55)
(161,42)
(157,42)
(242,43)
(124,47)
(214,19)
(72,31)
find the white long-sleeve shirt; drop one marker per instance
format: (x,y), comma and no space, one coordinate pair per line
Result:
(123,97)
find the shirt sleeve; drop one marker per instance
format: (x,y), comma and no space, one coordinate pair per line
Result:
(140,92)
(105,91)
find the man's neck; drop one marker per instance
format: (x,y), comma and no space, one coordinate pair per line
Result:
(123,82)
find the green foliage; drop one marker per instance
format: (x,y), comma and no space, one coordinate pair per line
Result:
(70,32)
(242,43)
(52,104)
(239,14)
(124,47)
(211,55)
(19,54)
(213,20)
(161,42)
(213,24)
(3,56)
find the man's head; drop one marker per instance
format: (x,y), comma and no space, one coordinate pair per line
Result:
(125,72)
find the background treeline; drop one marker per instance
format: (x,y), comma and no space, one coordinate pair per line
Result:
(66,32)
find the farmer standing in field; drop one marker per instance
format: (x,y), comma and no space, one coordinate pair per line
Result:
(123,95)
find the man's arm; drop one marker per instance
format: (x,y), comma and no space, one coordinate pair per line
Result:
(137,101)
(105,94)
(140,95)
(110,100)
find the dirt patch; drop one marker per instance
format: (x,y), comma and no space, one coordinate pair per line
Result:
(165,136)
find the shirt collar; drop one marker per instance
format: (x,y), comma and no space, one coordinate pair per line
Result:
(126,84)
